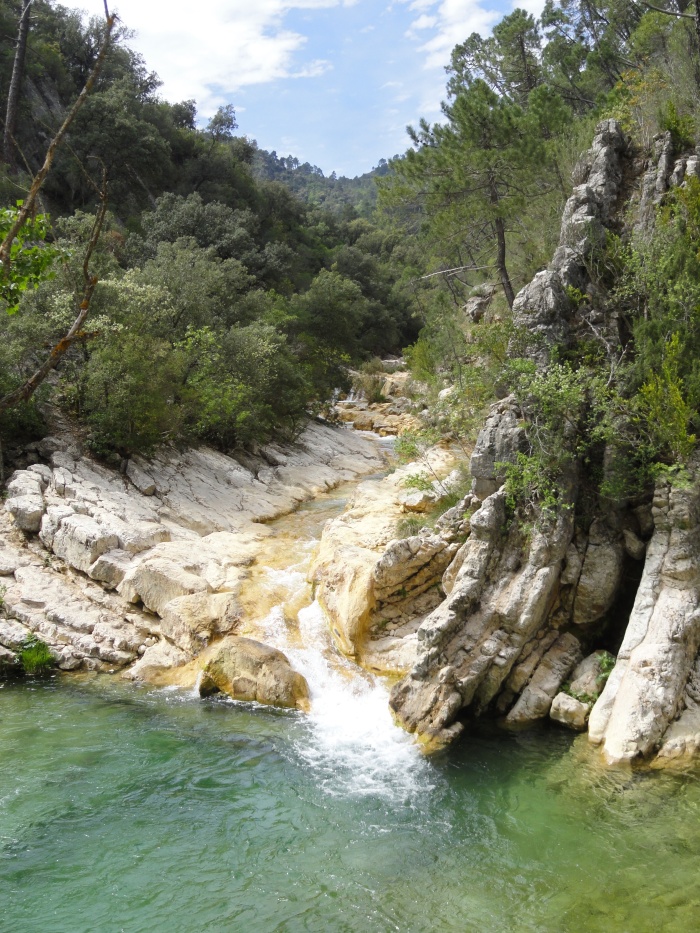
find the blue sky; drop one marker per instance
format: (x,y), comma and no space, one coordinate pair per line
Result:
(333,82)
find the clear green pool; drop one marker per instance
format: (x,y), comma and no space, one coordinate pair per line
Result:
(127,809)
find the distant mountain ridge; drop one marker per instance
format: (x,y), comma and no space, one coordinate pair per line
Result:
(339,194)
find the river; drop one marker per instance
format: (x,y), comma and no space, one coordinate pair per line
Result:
(143,810)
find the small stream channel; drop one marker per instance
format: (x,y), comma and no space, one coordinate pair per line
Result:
(144,810)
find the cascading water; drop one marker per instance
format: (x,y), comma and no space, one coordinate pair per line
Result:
(350,739)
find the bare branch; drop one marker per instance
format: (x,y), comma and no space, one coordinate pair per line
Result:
(28,205)
(658,9)
(25,391)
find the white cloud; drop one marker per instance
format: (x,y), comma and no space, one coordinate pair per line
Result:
(213,48)
(451,21)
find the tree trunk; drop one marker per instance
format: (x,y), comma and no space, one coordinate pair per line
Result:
(13,95)
(501,246)
(501,262)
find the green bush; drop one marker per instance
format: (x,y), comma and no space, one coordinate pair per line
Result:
(35,656)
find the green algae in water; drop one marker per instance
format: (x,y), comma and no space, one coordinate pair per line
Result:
(141,810)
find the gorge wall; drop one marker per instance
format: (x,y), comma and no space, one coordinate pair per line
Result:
(516,621)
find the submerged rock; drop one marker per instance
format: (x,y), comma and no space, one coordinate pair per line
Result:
(248,670)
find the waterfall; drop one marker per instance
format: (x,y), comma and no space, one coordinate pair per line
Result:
(349,737)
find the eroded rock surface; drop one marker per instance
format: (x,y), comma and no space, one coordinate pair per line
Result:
(647,688)
(511,629)
(374,587)
(142,569)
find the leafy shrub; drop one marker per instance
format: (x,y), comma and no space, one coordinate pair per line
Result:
(35,656)
(682,128)
(419,481)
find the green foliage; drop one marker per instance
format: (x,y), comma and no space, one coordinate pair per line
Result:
(664,407)
(410,525)
(35,656)
(682,128)
(31,257)
(420,481)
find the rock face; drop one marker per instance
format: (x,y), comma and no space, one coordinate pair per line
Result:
(375,588)
(543,307)
(518,610)
(647,688)
(510,631)
(143,568)
(248,670)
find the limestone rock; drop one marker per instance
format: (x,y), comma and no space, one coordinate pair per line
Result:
(536,699)
(158,581)
(570,712)
(600,576)
(634,546)
(12,634)
(499,441)
(192,621)
(156,662)
(80,540)
(645,691)
(418,500)
(27,512)
(111,568)
(357,572)
(248,670)
(588,677)
(141,479)
(9,562)
(8,661)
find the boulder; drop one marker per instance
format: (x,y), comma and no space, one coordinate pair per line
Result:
(192,621)
(80,540)
(570,712)
(588,678)
(156,662)
(27,512)
(111,568)
(248,670)
(499,441)
(418,500)
(157,581)
(141,479)
(536,699)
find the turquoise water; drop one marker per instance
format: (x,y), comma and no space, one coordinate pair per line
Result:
(135,809)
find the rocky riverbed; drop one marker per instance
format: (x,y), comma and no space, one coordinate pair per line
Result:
(141,571)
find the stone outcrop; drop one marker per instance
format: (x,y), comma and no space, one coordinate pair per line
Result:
(647,688)
(509,637)
(141,569)
(375,588)
(512,627)
(248,670)
(544,308)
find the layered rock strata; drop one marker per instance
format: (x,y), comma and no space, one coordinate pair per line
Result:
(375,587)
(511,629)
(520,611)
(142,569)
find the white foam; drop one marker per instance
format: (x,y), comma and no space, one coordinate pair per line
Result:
(350,738)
